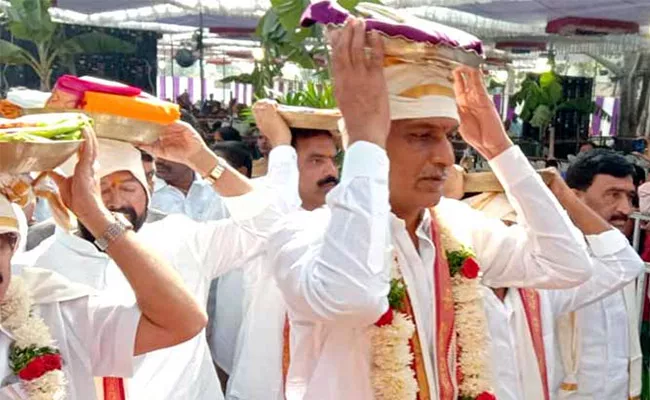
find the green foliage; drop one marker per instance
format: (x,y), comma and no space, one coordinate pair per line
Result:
(314,96)
(457,258)
(542,100)
(286,41)
(30,20)
(19,358)
(397,294)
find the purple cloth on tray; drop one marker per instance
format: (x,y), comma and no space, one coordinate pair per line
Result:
(327,12)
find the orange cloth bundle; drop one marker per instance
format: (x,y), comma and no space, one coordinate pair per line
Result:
(141,108)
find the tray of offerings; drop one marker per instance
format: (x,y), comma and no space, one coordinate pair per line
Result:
(39,142)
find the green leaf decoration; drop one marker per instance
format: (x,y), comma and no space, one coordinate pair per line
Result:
(457,258)
(19,357)
(397,294)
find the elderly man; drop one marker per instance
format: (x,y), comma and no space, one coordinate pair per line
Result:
(606,363)
(200,252)
(528,327)
(379,278)
(80,333)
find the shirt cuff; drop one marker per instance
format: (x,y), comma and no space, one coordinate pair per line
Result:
(511,167)
(607,243)
(280,155)
(365,159)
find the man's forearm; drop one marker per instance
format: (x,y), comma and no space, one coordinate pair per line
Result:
(162,296)
(230,184)
(586,219)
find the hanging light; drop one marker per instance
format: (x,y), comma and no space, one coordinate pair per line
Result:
(258,54)
(542,65)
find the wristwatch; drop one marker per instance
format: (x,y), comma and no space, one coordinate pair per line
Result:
(216,172)
(114,231)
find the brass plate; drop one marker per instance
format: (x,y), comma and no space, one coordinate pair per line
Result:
(310,118)
(22,157)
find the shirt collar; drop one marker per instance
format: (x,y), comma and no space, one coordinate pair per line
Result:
(160,184)
(424,228)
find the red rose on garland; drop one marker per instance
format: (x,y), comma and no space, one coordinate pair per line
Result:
(385,319)
(39,366)
(486,396)
(470,268)
(52,362)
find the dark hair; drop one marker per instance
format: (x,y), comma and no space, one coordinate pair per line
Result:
(583,171)
(236,153)
(298,133)
(10,238)
(229,134)
(146,157)
(639,175)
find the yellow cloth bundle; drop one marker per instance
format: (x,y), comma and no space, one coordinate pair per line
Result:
(141,108)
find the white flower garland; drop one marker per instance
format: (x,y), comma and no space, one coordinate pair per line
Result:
(392,375)
(471,326)
(32,340)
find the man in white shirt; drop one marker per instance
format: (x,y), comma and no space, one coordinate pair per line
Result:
(608,358)
(334,265)
(200,252)
(94,334)
(524,325)
(257,370)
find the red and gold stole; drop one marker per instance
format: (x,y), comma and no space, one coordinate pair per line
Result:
(531,303)
(444,303)
(113,388)
(445,317)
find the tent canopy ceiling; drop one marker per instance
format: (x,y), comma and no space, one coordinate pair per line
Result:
(525,11)
(541,11)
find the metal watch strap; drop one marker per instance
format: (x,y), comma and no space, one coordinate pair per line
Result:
(216,172)
(114,231)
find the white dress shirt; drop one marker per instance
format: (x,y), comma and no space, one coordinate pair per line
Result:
(201,203)
(95,335)
(332,266)
(604,351)
(260,343)
(199,252)
(615,263)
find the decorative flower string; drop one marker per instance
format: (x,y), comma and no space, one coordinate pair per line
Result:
(32,357)
(473,370)
(393,376)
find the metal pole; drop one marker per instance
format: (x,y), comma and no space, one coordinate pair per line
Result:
(171,38)
(640,283)
(202,70)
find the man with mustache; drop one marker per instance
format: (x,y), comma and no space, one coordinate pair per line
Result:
(607,364)
(93,333)
(200,252)
(378,256)
(257,370)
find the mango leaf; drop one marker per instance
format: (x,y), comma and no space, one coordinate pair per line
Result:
(542,117)
(96,43)
(289,12)
(241,78)
(30,20)
(546,79)
(12,54)
(555,93)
